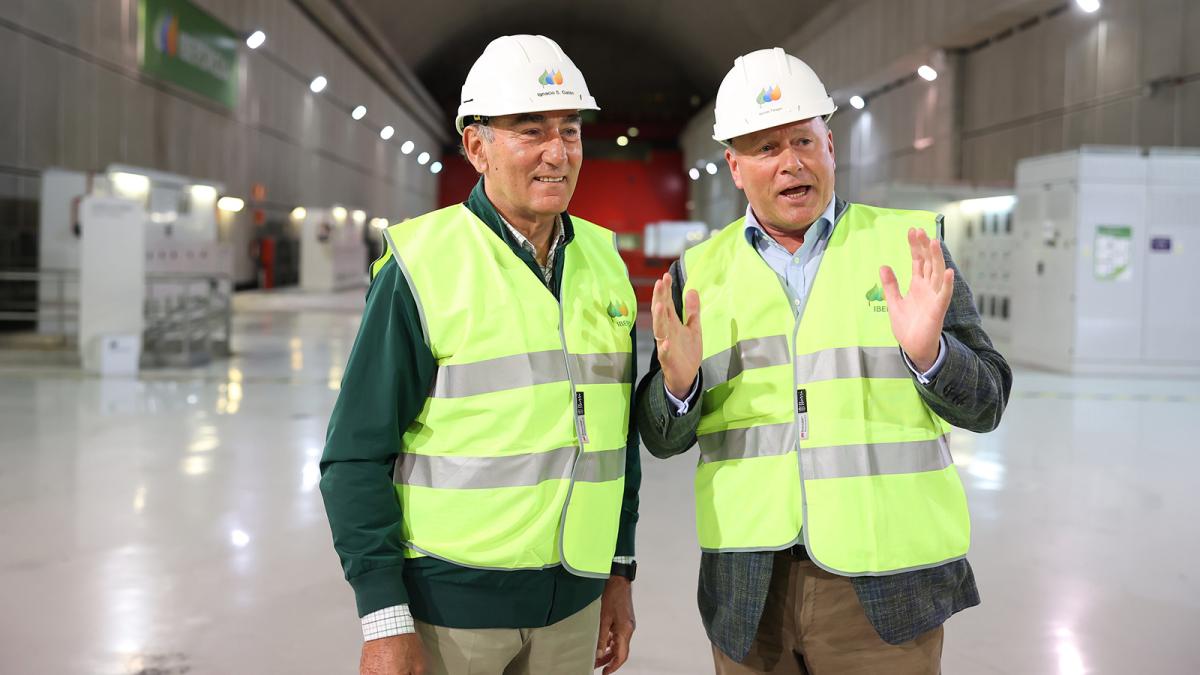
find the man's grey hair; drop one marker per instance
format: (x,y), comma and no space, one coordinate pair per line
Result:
(485,132)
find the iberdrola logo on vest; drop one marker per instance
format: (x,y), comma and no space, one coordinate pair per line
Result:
(619,313)
(876,300)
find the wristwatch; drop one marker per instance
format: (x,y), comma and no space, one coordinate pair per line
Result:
(623,570)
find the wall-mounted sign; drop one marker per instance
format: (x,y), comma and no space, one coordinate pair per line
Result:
(1113,258)
(182,44)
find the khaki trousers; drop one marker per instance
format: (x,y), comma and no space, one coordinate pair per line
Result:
(813,624)
(567,647)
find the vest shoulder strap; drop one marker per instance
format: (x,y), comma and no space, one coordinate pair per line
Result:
(866,214)
(717,245)
(416,231)
(587,232)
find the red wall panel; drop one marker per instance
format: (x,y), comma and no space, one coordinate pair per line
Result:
(456,180)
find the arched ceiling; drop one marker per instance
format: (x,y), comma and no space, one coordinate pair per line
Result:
(646,61)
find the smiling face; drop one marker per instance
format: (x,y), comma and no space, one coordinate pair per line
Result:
(787,172)
(530,162)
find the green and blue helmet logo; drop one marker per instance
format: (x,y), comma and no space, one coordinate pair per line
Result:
(550,77)
(768,94)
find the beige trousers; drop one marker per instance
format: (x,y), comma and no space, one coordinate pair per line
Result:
(813,624)
(567,647)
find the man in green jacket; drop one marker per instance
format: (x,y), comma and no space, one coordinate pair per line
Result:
(481,469)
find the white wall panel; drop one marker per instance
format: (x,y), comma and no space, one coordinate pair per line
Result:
(1118,64)
(1189,104)
(138,132)
(1170,334)
(110,27)
(1189,27)
(76,93)
(39,99)
(11,106)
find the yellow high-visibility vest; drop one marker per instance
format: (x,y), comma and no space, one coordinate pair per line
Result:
(517,459)
(812,430)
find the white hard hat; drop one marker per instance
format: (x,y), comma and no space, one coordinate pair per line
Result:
(522,74)
(767,88)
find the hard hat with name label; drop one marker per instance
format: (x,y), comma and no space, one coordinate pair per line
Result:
(767,88)
(521,74)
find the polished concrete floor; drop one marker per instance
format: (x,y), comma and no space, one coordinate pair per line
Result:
(172,524)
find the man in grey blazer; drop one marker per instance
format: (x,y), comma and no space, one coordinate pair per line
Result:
(783,611)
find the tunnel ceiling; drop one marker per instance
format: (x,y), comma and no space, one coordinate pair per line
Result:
(646,61)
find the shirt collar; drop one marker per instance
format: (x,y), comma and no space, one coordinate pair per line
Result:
(823,225)
(522,240)
(479,204)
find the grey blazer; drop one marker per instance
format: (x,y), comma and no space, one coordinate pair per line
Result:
(970,391)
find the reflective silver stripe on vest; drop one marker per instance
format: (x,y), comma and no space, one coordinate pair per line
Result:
(601,467)
(745,355)
(505,372)
(612,368)
(761,441)
(473,473)
(851,362)
(836,461)
(827,364)
(876,459)
(526,370)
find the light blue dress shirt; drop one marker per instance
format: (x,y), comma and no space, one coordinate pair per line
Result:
(796,271)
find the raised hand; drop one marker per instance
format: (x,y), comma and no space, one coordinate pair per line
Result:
(679,346)
(917,317)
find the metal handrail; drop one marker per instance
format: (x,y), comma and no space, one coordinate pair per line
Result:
(186,320)
(192,321)
(63,309)
(34,274)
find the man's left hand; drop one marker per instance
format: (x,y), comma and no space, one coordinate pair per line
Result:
(917,317)
(616,624)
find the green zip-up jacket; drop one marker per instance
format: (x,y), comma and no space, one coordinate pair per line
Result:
(386,381)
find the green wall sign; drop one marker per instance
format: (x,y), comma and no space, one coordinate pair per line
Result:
(182,44)
(1113,256)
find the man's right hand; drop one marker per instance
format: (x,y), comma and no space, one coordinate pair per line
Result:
(396,655)
(679,348)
